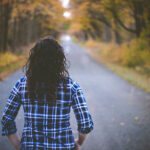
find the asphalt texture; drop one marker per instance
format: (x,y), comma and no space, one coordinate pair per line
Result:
(120,111)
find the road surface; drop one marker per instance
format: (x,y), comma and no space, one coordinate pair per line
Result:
(120,111)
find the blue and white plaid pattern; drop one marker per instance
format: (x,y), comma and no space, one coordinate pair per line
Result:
(47,126)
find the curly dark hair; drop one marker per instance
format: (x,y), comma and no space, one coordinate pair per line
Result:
(45,68)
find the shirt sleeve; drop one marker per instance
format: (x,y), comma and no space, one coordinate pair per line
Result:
(83,117)
(11,110)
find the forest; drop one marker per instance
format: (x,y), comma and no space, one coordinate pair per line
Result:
(106,19)
(118,30)
(24,21)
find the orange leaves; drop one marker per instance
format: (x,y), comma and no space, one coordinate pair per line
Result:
(3,2)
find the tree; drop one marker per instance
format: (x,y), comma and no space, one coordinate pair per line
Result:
(24,21)
(132,16)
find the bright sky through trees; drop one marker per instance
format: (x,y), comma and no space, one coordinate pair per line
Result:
(67,14)
(65,3)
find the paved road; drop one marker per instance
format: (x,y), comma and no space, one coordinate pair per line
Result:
(120,111)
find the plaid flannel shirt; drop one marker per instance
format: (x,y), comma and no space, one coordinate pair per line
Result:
(47,126)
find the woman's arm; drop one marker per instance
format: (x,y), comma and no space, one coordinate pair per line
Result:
(10,112)
(15,140)
(81,138)
(83,117)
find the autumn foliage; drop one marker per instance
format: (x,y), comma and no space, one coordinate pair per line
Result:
(119,30)
(111,19)
(24,21)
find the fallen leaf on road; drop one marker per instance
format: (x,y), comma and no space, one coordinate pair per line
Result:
(118,143)
(136,118)
(140,123)
(128,140)
(113,119)
(122,123)
(112,106)
(129,103)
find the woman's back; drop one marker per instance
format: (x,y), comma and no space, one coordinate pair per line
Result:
(46,124)
(47,98)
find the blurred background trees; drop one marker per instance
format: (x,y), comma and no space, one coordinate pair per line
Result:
(123,22)
(106,19)
(118,30)
(24,21)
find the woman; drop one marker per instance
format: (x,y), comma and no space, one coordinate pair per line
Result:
(47,93)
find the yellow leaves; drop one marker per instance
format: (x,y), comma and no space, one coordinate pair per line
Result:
(22,10)
(3,2)
(37,7)
(7,58)
(134,54)
(48,13)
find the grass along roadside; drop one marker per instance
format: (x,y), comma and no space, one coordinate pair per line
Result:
(10,62)
(133,76)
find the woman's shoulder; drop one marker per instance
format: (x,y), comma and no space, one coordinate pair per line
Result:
(23,78)
(69,80)
(72,83)
(66,80)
